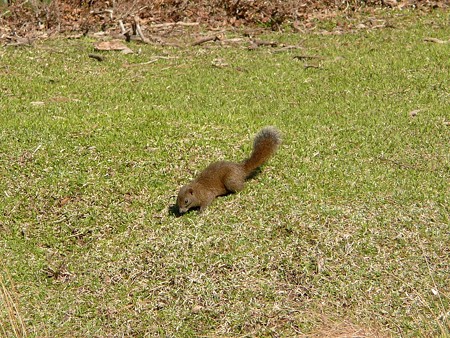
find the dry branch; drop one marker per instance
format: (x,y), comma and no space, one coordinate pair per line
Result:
(206,39)
(156,58)
(286,48)
(436,40)
(171,24)
(139,30)
(306,66)
(264,43)
(307,57)
(257,43)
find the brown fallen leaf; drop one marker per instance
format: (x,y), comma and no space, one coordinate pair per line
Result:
(112,45)
(197,309)
(64,201)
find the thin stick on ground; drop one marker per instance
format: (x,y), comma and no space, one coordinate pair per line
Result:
(206,39)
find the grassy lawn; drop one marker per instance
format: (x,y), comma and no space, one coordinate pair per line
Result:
(345,230)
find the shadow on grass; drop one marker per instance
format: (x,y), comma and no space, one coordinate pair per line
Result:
(174,211)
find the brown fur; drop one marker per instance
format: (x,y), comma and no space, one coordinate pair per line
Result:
(221,178)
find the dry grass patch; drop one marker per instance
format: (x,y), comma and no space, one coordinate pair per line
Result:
(12,322)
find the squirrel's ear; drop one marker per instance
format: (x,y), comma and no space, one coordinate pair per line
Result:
(191,191)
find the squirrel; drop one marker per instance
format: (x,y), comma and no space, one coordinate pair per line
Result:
(222,178)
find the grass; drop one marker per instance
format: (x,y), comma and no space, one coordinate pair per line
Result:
(344,232)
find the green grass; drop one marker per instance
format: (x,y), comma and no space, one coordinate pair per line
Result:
(345,230)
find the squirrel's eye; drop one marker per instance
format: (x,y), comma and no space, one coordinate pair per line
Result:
(186,201)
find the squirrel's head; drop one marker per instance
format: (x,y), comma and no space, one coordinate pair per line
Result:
(185,199)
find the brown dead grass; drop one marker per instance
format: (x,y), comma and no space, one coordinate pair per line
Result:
(344,329)
(11,321)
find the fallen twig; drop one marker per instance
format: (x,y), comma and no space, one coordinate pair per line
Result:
(257,43)
(206,39)
(436,40)
(307,57)
(96,57)
(286,48)
(170,24)
(156,58)
(306,66)
(140,64)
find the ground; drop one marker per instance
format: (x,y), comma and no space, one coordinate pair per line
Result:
(345,231)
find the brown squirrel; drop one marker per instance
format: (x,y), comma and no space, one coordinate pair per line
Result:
(221,178)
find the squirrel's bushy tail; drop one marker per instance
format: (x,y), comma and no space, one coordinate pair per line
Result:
(265,144)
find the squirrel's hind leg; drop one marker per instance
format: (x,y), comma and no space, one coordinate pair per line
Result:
(234,182)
